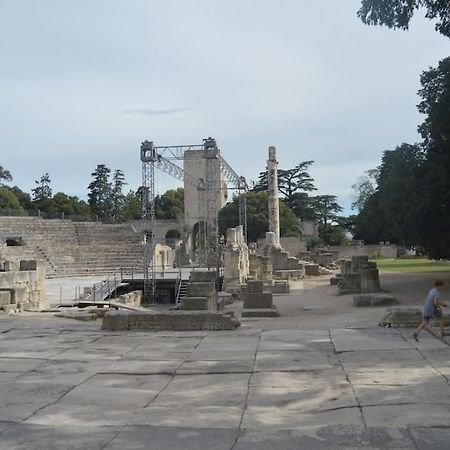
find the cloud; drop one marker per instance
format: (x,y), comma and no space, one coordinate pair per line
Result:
(155,112)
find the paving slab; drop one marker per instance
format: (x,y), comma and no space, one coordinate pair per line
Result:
(402,416)
(298,380)
(211,366)
(19,364)
(24,436)
(368,361)
(428,392)
(152,383)
(142,367)
(187,416)
(293,360)
(300,340)
(70,373)
(308,399)
(20,400)
(88,353)
(431,438)
(395,376)
(270,418)
(326,438)
(148,437)
(346,340)
(221,354)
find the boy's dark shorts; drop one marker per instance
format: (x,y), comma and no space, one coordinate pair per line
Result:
(437,315)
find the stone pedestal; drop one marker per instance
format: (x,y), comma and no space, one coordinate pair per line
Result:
(258,303)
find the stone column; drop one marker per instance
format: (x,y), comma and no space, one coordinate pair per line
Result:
(272,183)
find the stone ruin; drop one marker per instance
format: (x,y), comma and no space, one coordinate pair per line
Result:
(257,302)
(236,263)
(22,285)
(199,310)
(357,276)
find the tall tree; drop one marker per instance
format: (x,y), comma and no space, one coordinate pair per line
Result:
(398,13)
(434,224)
(5,175)
(100,192)
(117,196)
(43,190)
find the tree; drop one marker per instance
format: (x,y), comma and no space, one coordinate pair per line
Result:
(23,197)
(9,204)
(364,188)
(100,192)
(434,220)
(170,205)
(117,196)
(290,181)
(5,175)
(257,217)
(131,209)
(43,190)
(398,13)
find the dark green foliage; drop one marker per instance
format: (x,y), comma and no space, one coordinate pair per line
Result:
(117,197)
(43,190)
(398,13)
(5,175)
(100,192)
(257,217)
(9,204)
(131,207)
(170,205)
(411,204)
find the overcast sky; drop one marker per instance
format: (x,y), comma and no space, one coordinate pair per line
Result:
(83,82)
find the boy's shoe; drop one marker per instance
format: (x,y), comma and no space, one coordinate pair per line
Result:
(416,337)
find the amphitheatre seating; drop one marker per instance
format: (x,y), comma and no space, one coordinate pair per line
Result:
(72,248)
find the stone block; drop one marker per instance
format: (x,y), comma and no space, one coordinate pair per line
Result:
(350,284)
(405,317)
(9,308)
(325,259)
(194,303)
(254,286)
(335,280)
(376,299)
(258,300)
(260,312)
(115,320)
(370,280)
(5,298)
(202,276)
(278,287)
(173,321)
(19,295)
(359,262)
(312,269)
(200,289)
(12,266)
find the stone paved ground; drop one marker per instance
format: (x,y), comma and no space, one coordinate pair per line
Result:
(322,376)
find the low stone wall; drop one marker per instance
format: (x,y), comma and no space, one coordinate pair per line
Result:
(373,251)
(405,317)
(133,298)
(173,321)
(23,285)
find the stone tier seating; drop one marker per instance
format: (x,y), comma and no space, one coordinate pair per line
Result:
(72,248)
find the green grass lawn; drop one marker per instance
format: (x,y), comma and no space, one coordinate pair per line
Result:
(412,265)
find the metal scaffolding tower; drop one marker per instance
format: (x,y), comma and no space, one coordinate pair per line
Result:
(208,191)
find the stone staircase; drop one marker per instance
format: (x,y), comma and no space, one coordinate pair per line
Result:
(72,248)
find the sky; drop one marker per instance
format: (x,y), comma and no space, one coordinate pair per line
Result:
(85,82)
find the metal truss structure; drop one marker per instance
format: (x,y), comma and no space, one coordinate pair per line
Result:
(208,190)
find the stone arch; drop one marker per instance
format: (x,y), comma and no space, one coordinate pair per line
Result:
(173,238)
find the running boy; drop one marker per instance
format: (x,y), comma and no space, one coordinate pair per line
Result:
(432,309)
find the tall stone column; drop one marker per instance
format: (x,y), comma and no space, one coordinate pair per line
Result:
(272,182)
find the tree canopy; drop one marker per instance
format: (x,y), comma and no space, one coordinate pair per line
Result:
(411,201)
(398,13)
